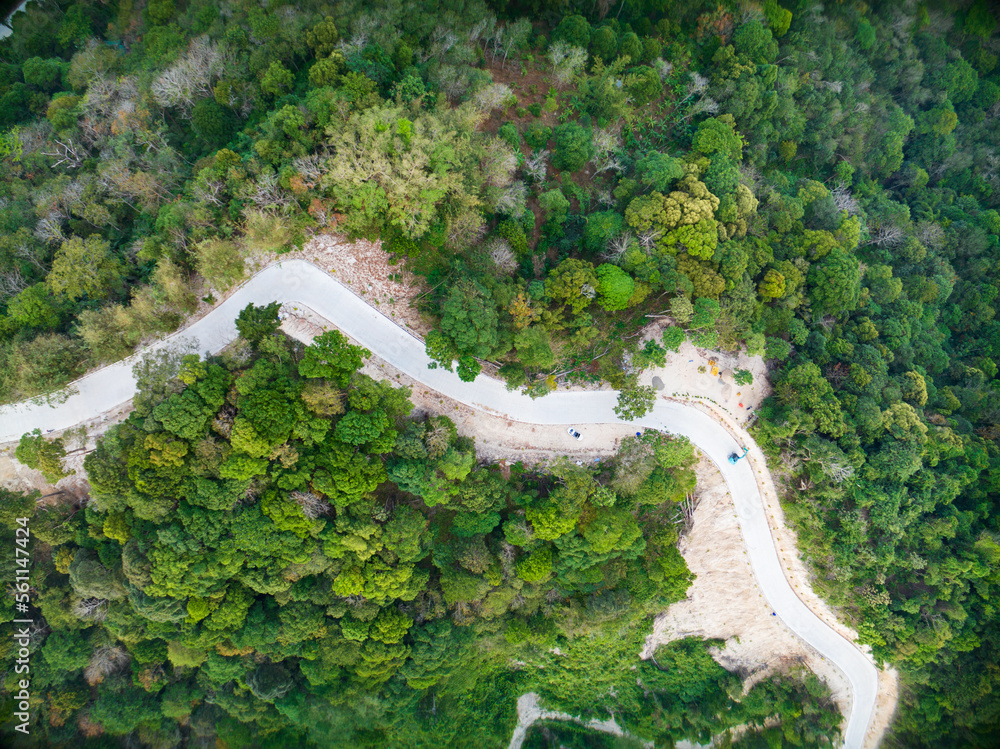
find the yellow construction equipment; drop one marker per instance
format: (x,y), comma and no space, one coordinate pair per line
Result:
(714,366)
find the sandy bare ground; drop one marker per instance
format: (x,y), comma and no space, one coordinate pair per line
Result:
(725,603)
(796,572)
(529,711)
(78,442)
(369,271)
(688,374)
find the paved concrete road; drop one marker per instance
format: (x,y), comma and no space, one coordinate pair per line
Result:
(298,282)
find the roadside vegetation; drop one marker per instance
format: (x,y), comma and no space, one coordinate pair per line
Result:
(276,553)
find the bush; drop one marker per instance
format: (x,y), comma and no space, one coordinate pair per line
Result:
(213,123)
(555,205)
(219,262)
(706,339)
(631,46)
(635,401)
(574,147)
(514,375)
(36,452)
(652,354)
(573,30)
(267,233)
(644,85)
(615,286)
(44,365)
(602,227)
(45,74)
(651,50)
(508,132)
(514,234)
(62,112)
(537,135)
(776,348)
(672,338)
(537,567)
(604,43)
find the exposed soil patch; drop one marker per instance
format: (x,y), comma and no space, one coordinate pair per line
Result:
(725,602)
(688,375)
(368,270)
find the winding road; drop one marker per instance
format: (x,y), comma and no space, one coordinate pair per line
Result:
(297,282)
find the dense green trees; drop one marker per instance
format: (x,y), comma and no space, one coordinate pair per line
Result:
(44,455)
(246,537)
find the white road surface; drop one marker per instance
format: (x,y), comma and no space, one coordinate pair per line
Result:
(299,283)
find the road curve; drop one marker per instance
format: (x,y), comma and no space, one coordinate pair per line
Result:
(300,282)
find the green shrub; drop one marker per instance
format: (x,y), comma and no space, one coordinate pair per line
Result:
(537,135)
(574,147)
(508,132)
(514,234)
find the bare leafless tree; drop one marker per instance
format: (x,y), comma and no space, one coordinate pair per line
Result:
(436,440)
(688,506)
(567,61)
(930,234)
(508,552)
(502,256)
(536,165)
(466,229)
(508,37)
(95,609)
(105,661)
(697,85)
(647,239)
(67,154)
(483,29)
(12,283)
(618,246)
(607,142)
(509,200)
(704,105)
(267,193)
(664,68)
(604,197)
(499,163)
(491,97)
(361,32)
(845,201)
(452,80)
(34,254)
(790,461)
(310,168)
(887,235)
(209,191)
(190,78)
(313,506)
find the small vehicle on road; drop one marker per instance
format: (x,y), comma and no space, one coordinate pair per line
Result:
(574,434)
(734,458)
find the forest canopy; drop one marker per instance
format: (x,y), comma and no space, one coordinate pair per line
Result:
(813,183)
